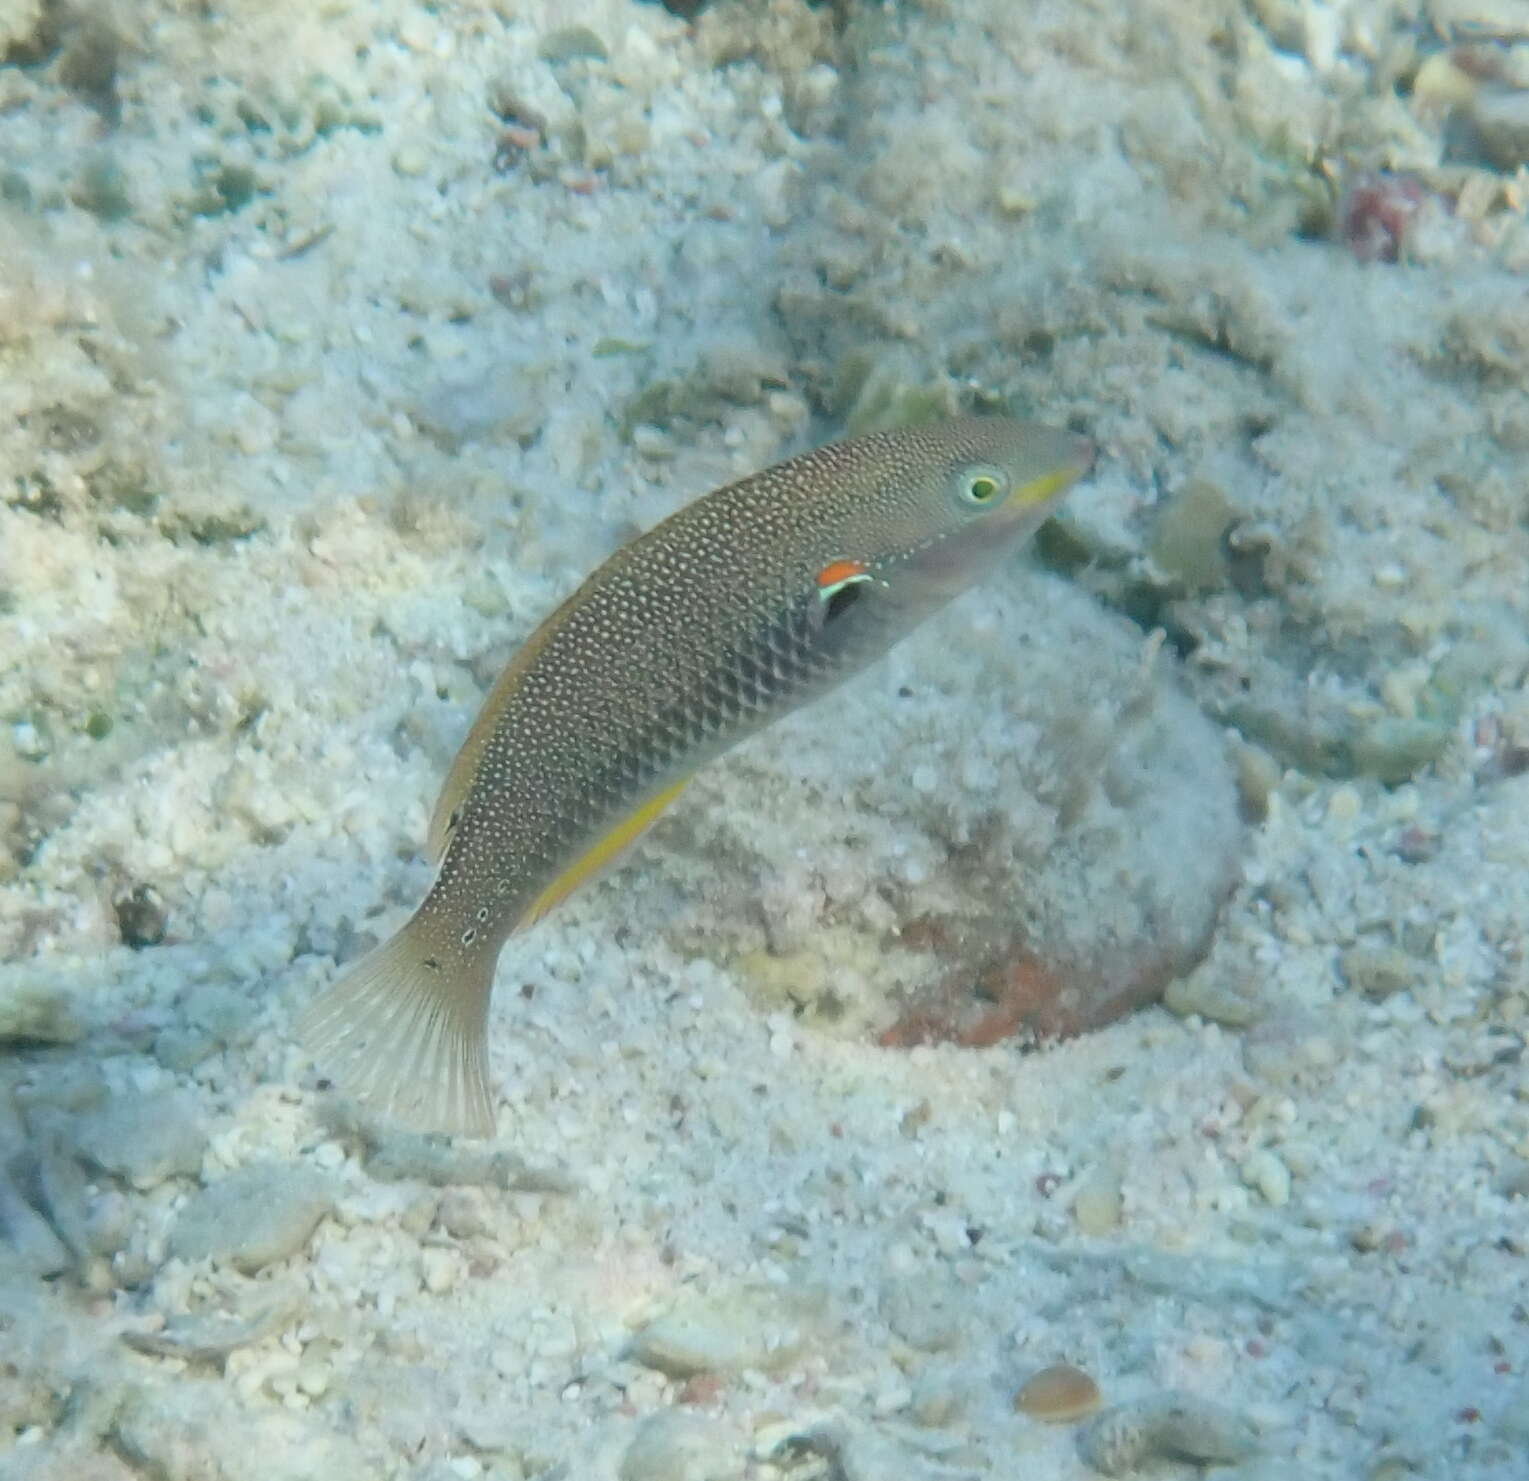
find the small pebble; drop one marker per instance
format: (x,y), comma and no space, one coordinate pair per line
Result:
(1200,995)
(1512,1180)
(438,1270)
(1059,1394)
(313,1379)
(142,916)
(938,1399)
(722,1332)
(1378,971)
(1258,779)
(1096,1206)
(464,1213)
(144,1138)
(1166,1426)
(569,43)
(1501,117)
(1265,1171)
(926,1312)
(1283,1049)
(252,1217)
(33,1009)
(29,1244)
(1188,540)
(674,1446)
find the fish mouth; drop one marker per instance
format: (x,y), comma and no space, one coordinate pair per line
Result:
(1052,485)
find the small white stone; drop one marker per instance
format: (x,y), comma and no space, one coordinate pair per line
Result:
(438,1270)
(1264,1171)
(674,1446)
(723,1332)
(313,1379)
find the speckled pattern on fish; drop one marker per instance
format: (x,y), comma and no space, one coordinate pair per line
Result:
(742,606)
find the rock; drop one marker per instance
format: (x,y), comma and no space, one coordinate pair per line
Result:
(929,1314)
(1394,748)
(569,43)
(35,1009)
(853,1451)
(939,1398)
(19,19)
(1166,1426)
(1188,542)
(395,1155)
(439,1269)
(720,1332)
(1203,995)
(144,1138)
(508,401)
(1288,1047)
(142,916)
(253,1216)
(1502,123)
(1096,1206)
(1084,760)
(1267,1172)
(74,1458)
(195,1432)
(198,1339)
(221,1012)
(57,1189)
(1508,20)
(674,1446)
(1378,971)
(31,1245)
(464,1213)
(181,1049)
(1512,1180)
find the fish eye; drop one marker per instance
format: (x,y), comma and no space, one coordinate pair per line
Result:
(981,487)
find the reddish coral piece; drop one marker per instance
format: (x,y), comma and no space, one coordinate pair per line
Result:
(1377,214)
(700,1389)
(1018,994)
(1023,994)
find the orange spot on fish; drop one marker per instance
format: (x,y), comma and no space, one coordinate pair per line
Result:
(836,573)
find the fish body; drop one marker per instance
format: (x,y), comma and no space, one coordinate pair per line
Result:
(742,606)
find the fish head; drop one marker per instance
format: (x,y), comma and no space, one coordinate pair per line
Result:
(974,496)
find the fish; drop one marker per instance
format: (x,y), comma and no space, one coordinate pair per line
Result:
(740,607)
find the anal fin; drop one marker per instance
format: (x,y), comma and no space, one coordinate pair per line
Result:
(603,854)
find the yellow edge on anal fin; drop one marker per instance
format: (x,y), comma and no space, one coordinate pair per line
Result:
(595,860)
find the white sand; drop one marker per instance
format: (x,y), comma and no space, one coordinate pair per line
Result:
(309,410)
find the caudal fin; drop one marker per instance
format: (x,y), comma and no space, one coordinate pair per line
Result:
(406,1033)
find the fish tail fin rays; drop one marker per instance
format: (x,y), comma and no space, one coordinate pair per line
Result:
(405,1031)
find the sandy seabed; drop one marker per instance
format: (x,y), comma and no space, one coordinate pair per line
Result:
(339,340)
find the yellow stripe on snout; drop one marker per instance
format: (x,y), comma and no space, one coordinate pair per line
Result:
(1039,490)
